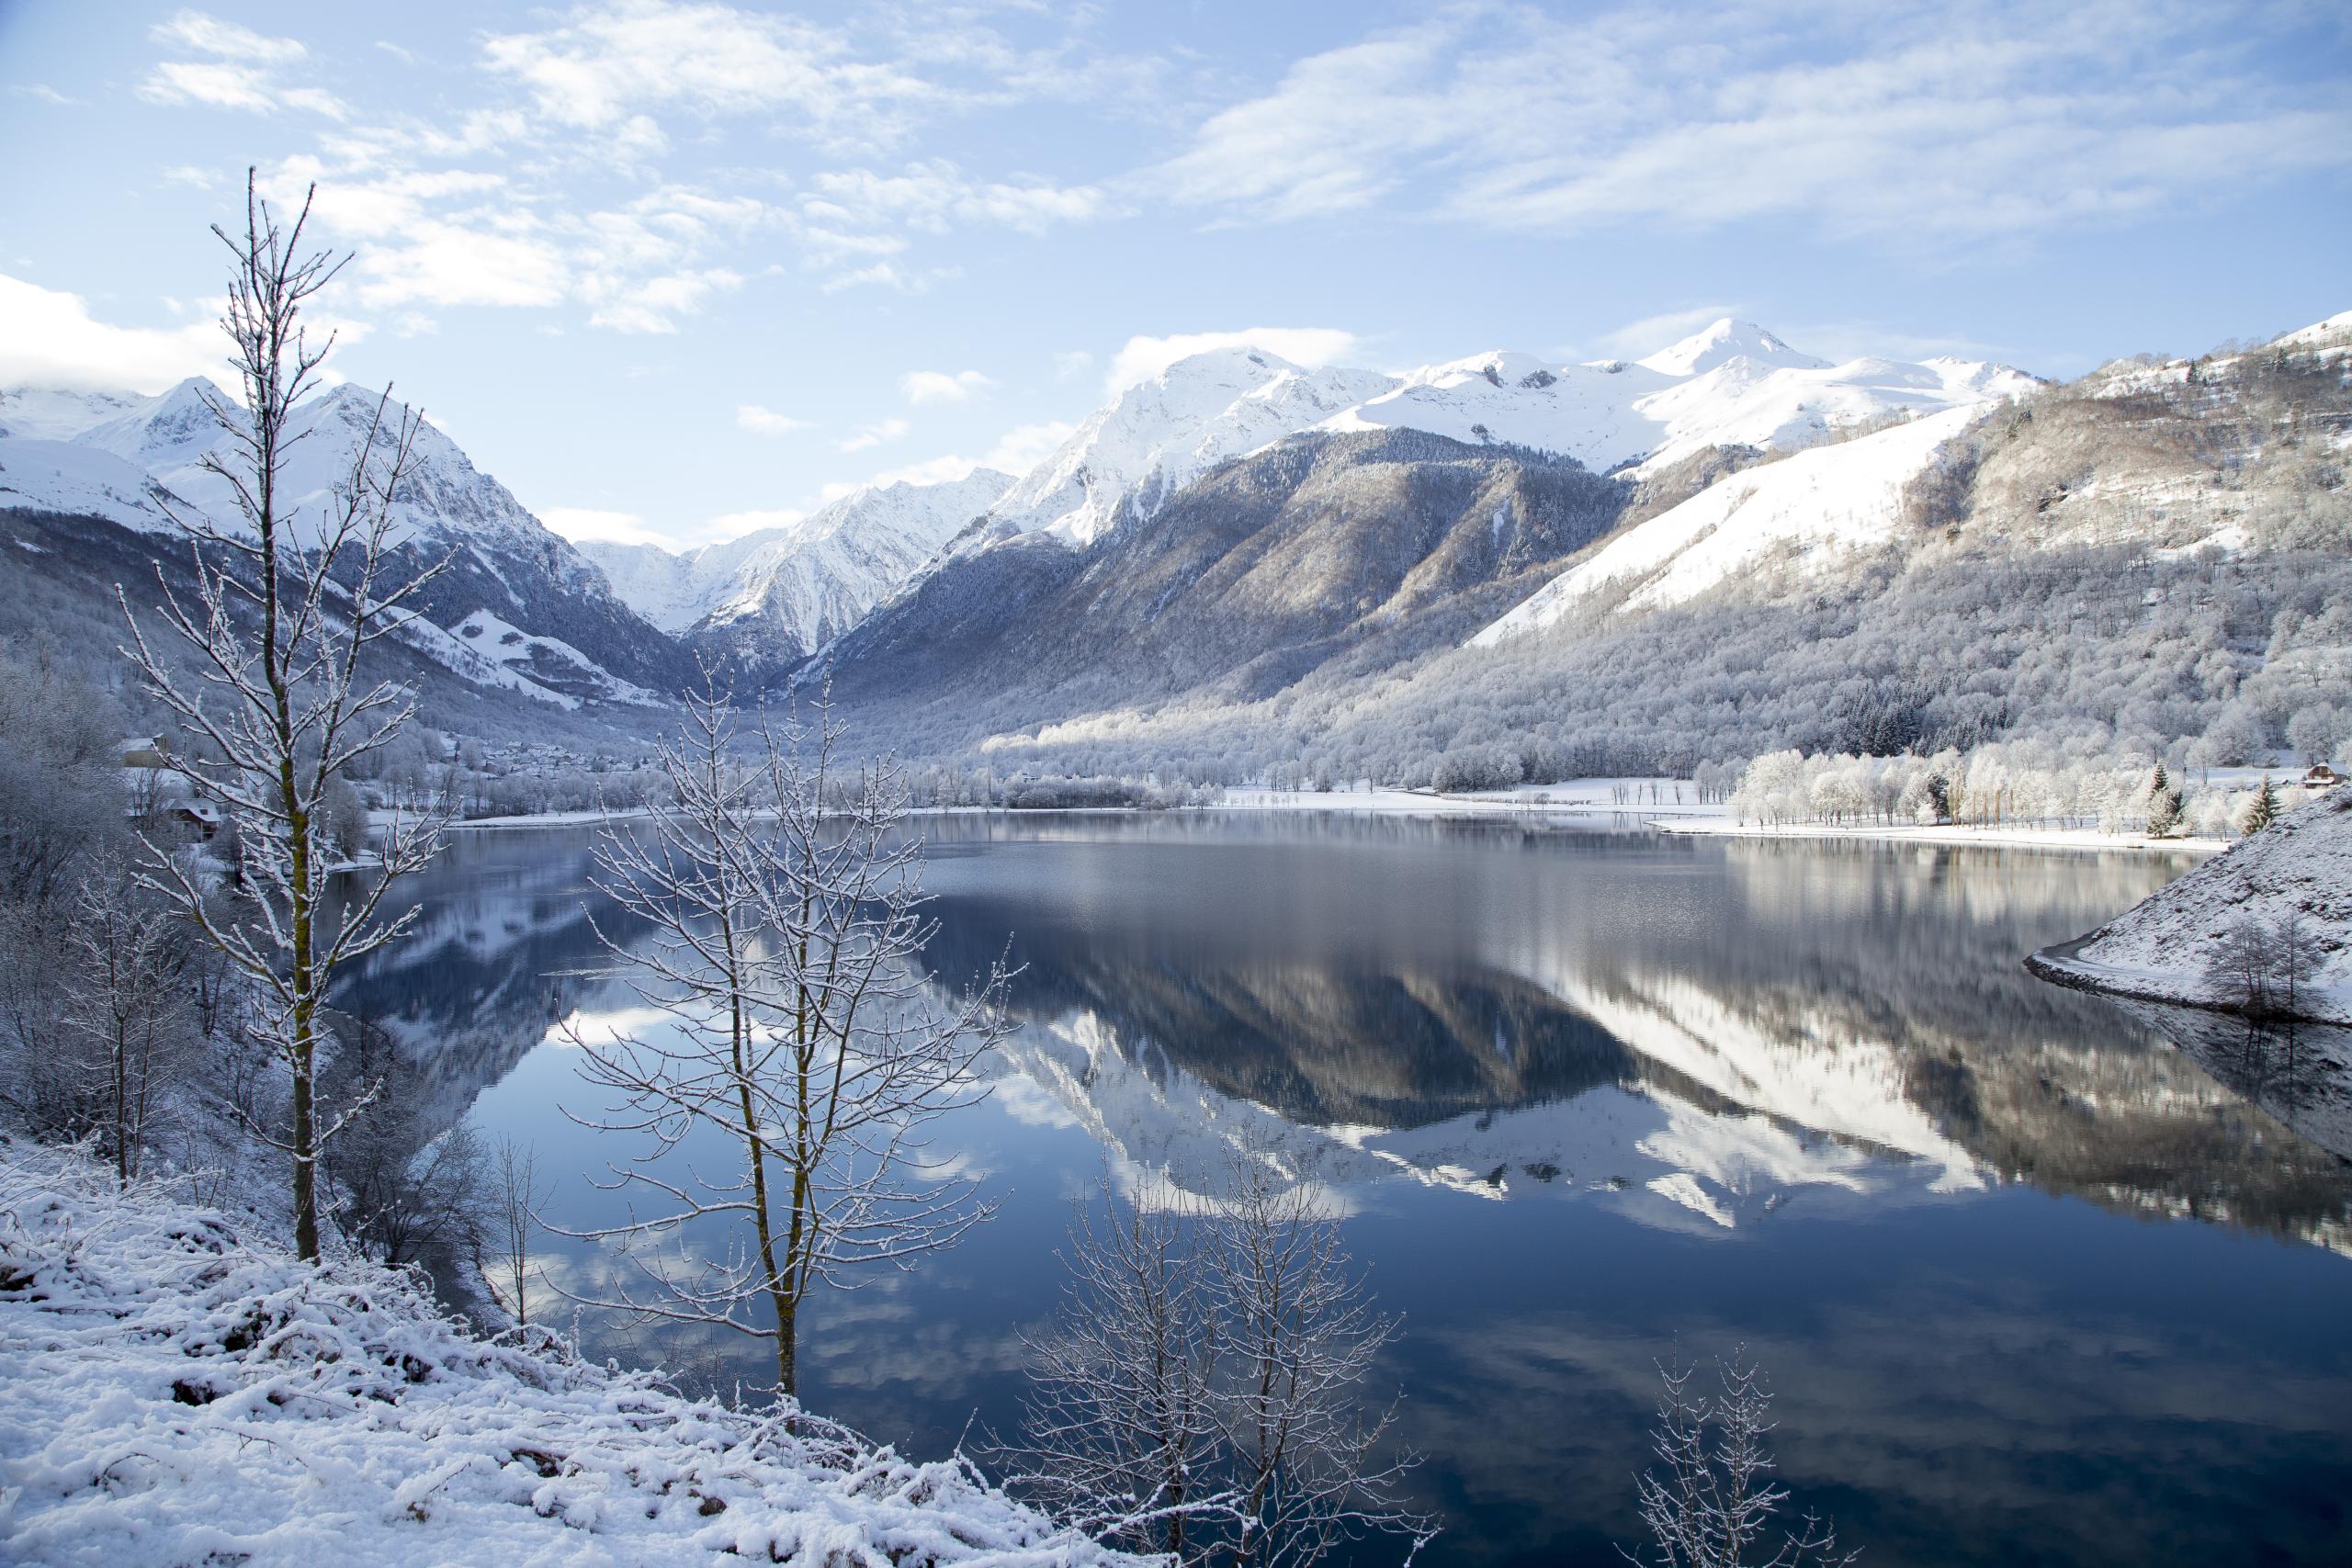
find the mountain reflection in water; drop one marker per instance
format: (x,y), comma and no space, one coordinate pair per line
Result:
(1813,1076)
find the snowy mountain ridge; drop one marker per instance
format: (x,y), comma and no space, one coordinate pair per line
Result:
(799,586)
(139,461)
(1732,383)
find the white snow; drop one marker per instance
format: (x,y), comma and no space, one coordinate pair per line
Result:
(41,475)
(1733,384)
(1159,434)
(2300,864)
(2318,334)
(540,658)
(174,1391)
(1813,506)
(814,578)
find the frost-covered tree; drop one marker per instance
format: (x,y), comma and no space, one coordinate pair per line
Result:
(1202,1391)
(1712,1500)
(787,918)
(272,691)
(1119,1435)
(125,1013)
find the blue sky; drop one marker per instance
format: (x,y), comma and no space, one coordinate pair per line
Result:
(672,270)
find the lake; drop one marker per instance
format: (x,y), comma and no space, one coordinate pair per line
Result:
(2032,1284)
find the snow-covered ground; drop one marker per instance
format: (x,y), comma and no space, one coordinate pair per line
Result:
(172,1391)
(2157,950)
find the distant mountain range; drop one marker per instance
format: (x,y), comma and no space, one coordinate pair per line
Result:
(516,608)
(1242,541)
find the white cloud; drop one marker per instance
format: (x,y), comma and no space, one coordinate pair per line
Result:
(735,525)
(1906,123)
(1016,452)
(940,387)
(869,436)
(605,61)
(1651,334)
(44,92)
(188,174)
(930,196)
(1024,446)
(1143,358)
(1070,366)
(580,523)
(242,71)
(654,305)
(49,338)
(767,421)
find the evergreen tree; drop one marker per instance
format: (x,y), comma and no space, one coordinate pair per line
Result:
(2265,810)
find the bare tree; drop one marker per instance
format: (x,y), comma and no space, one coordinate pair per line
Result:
(1201,1391)
(1299,1338)
(1713,1506)
(124,1004)
(2296,955)
(516,1196)
(2239,970)
(277,706)
(1119,1433)
(788,923)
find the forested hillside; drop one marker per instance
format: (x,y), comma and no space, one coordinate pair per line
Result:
(2157,555)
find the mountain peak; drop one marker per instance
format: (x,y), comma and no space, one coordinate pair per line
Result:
(1723,340)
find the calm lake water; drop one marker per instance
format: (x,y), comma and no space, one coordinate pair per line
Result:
(2032,1284)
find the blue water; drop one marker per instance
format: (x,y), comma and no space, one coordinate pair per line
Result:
(2033,1285)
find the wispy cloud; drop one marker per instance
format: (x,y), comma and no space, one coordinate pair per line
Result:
(1143,357)
(1016,452)
(767,421)
(868,437)
(1651,334)
(940,386)
(1897,122)
(237,69)
(603,63)
(49,338)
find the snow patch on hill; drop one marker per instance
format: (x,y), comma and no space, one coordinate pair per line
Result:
(41,475)
(176,1392)
(1816,505)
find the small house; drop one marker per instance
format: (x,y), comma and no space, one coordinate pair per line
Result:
(2321,777)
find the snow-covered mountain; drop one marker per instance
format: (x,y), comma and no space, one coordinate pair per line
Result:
(1733,384)
(777,595)
(543,621)
(1158,436)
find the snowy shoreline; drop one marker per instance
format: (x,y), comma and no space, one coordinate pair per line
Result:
(177,1388)
(2294,877)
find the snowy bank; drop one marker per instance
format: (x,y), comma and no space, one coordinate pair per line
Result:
(171,1392)
(2160,949)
